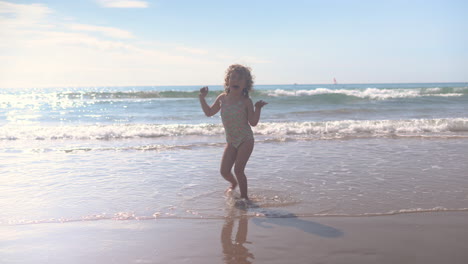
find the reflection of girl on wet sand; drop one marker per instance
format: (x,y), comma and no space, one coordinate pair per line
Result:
(234,251)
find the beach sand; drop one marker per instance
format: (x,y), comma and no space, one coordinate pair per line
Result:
(437,237)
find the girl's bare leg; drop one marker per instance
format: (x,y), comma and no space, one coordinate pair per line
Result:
(243,155)
(228,160)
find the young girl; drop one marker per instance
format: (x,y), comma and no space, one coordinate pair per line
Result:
(238,114)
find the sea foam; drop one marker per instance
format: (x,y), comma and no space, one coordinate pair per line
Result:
(326,129)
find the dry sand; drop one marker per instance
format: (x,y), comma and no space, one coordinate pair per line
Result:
(408,238)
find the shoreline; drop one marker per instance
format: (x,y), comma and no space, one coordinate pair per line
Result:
(123,216)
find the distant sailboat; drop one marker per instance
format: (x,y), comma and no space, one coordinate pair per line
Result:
(334,81)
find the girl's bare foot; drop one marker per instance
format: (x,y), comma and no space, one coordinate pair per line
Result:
(243,203)
(231,188)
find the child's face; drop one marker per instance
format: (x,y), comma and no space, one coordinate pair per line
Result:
(237,81)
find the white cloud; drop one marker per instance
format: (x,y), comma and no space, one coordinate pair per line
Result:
(32,10)
(20,15)
(123,3)
(39,51)
(108,31)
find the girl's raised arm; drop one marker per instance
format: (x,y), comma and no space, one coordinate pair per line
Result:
(254,114)
(209,110)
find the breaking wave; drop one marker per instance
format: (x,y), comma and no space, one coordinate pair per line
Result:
(314,130)
(374,93)
(7,100)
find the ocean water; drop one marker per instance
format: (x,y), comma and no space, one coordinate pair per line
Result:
(143,153)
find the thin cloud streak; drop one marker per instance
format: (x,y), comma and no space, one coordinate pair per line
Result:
(107,31)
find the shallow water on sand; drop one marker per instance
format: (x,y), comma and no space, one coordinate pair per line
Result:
(286,179)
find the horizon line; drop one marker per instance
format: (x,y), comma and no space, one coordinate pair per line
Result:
(201,85)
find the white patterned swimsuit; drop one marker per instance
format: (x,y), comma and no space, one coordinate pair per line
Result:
(236,125)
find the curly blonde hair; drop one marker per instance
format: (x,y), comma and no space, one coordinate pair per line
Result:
(245,72)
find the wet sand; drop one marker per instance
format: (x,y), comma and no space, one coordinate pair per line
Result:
(407,238)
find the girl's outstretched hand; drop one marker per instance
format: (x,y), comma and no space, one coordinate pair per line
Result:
(203,92)
(260,104)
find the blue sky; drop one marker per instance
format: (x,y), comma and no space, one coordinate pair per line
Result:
(125,42)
